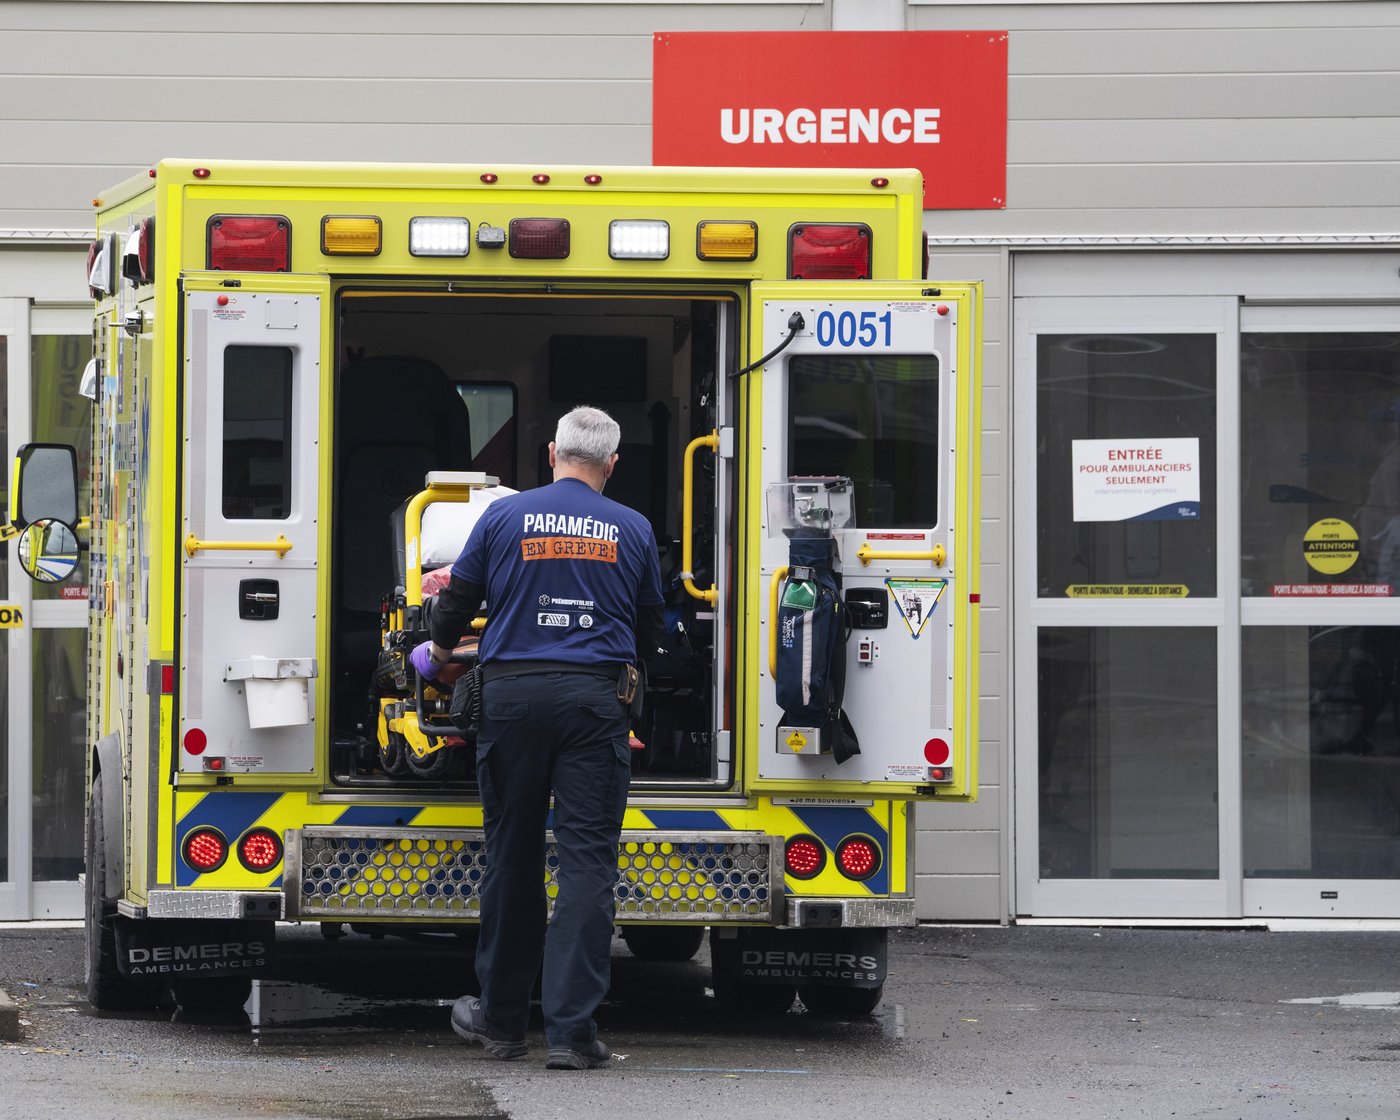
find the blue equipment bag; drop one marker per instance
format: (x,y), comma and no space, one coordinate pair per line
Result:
(813,627)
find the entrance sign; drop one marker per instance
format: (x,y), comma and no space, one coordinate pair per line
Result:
(1137,479)
(934,100)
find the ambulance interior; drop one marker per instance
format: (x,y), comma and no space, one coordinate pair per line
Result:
(476,382)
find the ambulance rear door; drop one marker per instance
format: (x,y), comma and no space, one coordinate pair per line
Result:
(250,533)
(879,384)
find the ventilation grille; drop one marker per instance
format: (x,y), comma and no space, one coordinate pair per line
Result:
(352,873)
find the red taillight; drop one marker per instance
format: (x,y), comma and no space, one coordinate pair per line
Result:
(243,244)
(205,849)
(857,857)
(101,267)
(259,849)
(539,238)
(146,251)
(804,857)
(829,252)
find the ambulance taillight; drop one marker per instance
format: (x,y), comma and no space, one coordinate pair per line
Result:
(259,849)
(804,857)
(204,849)
(238,243)
(857,857)
(829,252)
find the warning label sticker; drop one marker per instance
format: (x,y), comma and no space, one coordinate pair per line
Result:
(1330,546)
(915,599)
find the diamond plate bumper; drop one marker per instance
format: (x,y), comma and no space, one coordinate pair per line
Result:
(373,874)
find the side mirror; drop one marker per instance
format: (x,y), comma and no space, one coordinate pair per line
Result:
(48,484)
(48,550)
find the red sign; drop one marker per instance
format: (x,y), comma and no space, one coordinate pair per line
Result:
(934,100)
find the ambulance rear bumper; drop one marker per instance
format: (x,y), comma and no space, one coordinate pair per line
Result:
(845,913)
(430,874)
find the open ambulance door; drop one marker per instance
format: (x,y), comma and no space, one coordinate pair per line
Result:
(879,385)
(250,517)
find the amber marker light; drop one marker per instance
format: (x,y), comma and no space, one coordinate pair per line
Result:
(350,235)
(726,241)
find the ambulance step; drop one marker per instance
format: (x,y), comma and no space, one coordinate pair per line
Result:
(426,874)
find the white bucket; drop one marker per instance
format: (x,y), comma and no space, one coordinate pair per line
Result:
(276,689)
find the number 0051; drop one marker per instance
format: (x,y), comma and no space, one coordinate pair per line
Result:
(847,329)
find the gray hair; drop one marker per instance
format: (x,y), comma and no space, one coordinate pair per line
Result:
(586,435)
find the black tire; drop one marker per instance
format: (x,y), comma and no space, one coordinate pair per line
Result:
(851,1003)
(663,943)
(107,988)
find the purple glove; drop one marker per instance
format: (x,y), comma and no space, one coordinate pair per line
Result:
(422,659)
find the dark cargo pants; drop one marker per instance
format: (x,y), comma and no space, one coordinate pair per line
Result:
(565,734)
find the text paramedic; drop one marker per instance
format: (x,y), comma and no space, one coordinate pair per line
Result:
(570,526)
(829,126)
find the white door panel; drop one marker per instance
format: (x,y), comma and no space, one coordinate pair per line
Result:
(250,531)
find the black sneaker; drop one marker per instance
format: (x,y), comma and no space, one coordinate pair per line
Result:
(593,1056)
(469,1021)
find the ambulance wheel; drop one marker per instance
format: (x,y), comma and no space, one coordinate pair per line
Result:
(663,943)
(852,1003)
(391,755)
(107,988)
(431,766)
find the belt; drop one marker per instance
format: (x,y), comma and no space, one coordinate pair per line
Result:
(496,670)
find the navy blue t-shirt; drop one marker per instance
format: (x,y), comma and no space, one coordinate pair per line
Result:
(564,570)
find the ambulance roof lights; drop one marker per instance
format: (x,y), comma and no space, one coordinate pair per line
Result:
(639,240)
(726,241)
(351,235)
(248,243)
(593,180)
(204,849)
(829,252)
(857,857)
(439,237)
(539,238)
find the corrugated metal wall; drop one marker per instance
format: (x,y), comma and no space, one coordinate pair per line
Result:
(1180,119)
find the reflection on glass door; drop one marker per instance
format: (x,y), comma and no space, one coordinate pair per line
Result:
(1122,578)
(1320,575)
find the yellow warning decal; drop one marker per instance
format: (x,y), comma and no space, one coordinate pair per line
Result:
(10,616)
(1330,546)
(796,741)
(1127,591)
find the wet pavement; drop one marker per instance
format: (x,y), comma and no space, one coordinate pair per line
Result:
(977,1022)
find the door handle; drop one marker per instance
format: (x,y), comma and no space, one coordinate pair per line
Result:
(281,545)
(709,594)
(938,554)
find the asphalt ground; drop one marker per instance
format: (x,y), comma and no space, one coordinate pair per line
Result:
(1026,1021)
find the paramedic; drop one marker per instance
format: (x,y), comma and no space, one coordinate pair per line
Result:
(572,589)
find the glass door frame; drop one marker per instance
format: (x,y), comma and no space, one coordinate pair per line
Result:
(1136,898)
(21,897)
(1303,897)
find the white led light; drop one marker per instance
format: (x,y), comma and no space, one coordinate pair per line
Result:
(639,240)
(439,237)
